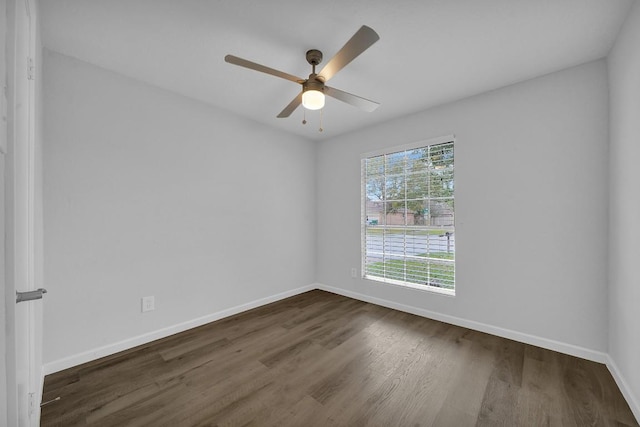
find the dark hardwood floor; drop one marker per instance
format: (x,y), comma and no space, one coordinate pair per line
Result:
(320,359)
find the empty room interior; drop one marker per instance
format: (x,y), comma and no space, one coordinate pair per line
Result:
(217,248)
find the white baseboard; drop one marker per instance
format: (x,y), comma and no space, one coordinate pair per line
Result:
(558,346)
(632,400)
(107,350)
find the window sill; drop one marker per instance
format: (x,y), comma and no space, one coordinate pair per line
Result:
(424,288)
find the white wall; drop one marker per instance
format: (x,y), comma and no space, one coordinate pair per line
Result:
(624,276)
(533,155)
(150,193)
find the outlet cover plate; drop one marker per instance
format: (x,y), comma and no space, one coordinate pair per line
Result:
(148,304)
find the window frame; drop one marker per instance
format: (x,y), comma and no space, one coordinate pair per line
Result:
(364,220)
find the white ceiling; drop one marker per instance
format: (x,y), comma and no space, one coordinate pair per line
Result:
(430,51)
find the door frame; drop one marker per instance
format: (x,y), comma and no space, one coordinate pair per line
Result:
(23,341)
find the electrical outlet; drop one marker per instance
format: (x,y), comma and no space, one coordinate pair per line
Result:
(148,303)
(354,273)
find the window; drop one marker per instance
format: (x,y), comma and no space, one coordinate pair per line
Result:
(408,235)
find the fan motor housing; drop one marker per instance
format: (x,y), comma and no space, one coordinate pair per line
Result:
(313,84)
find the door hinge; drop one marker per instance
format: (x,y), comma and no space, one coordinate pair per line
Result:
(31,69)
(32,403)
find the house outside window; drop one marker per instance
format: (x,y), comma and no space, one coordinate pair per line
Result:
(408,216)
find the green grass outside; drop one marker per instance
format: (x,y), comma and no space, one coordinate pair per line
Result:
(421,272)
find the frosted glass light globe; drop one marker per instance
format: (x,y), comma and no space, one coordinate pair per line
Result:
(313,99)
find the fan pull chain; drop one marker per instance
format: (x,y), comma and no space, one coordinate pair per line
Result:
(320,129)
(304,116)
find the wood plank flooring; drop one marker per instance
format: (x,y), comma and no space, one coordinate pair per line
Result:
(320,359)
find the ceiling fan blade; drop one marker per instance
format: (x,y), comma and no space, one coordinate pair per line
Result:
(357,101)
(361,41)
(291,107)
(257,67)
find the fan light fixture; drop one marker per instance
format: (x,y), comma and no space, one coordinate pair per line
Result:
(313,99)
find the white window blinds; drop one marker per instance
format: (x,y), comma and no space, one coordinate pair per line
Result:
(408,233)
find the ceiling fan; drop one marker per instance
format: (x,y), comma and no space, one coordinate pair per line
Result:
(314,88)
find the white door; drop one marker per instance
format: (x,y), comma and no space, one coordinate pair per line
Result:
(23,328)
